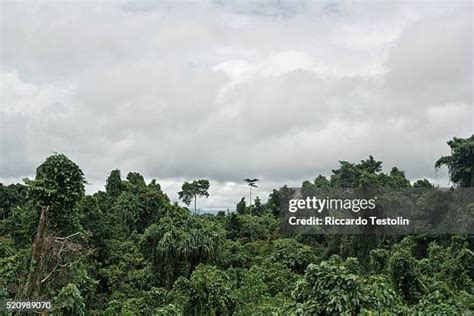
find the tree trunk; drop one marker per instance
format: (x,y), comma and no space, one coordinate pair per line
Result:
(250,202)
(37,254)
(195,209)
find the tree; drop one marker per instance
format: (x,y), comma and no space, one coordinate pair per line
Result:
(264,288)
(371,165)
(178,243)
(70,301)
(241,207)
(380,298)
(128,208)
(329,288)
(59,186)
(136,180)
(132,251)
(347,176)
(278,198)
(190,191)
(251,184)
(37,256)
(207,292)
(273,202)
(322,182)
(296,256)
(352,175)
(307,189)
(398,179)
(258,206)
(233,226)
(461,161)
(423,183)
(405,275)
(139,205)
(260,227)
(114,184)
(10,197)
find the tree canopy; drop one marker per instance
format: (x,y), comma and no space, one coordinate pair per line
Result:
(192,190)
(461,161)
(132,251)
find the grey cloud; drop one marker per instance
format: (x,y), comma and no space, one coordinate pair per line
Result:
(231,90)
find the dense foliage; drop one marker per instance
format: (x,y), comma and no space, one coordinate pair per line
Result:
(132,251)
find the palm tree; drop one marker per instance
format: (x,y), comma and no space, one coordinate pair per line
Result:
(251,184)
(179,240)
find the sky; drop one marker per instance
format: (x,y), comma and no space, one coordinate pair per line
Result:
(227,90)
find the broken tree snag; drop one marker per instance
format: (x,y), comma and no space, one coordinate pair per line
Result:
(62,253)
(37,256)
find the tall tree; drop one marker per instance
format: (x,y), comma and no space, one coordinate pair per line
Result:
(59,185)
(461,161)
(56,190)
(191,191)
(251,184)
(114,184)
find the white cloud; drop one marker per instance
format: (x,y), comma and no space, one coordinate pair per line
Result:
(23,98)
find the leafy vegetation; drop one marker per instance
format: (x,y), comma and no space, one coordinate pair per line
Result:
(132,251)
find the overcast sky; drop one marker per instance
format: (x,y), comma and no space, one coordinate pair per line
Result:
(227,90)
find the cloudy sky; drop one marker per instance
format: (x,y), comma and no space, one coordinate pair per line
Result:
(227,90)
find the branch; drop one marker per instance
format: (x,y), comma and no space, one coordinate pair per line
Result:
(65,246)
(67,237)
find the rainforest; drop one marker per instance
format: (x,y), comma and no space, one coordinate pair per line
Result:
(131,250)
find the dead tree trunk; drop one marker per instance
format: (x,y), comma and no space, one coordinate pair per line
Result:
(37,254)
